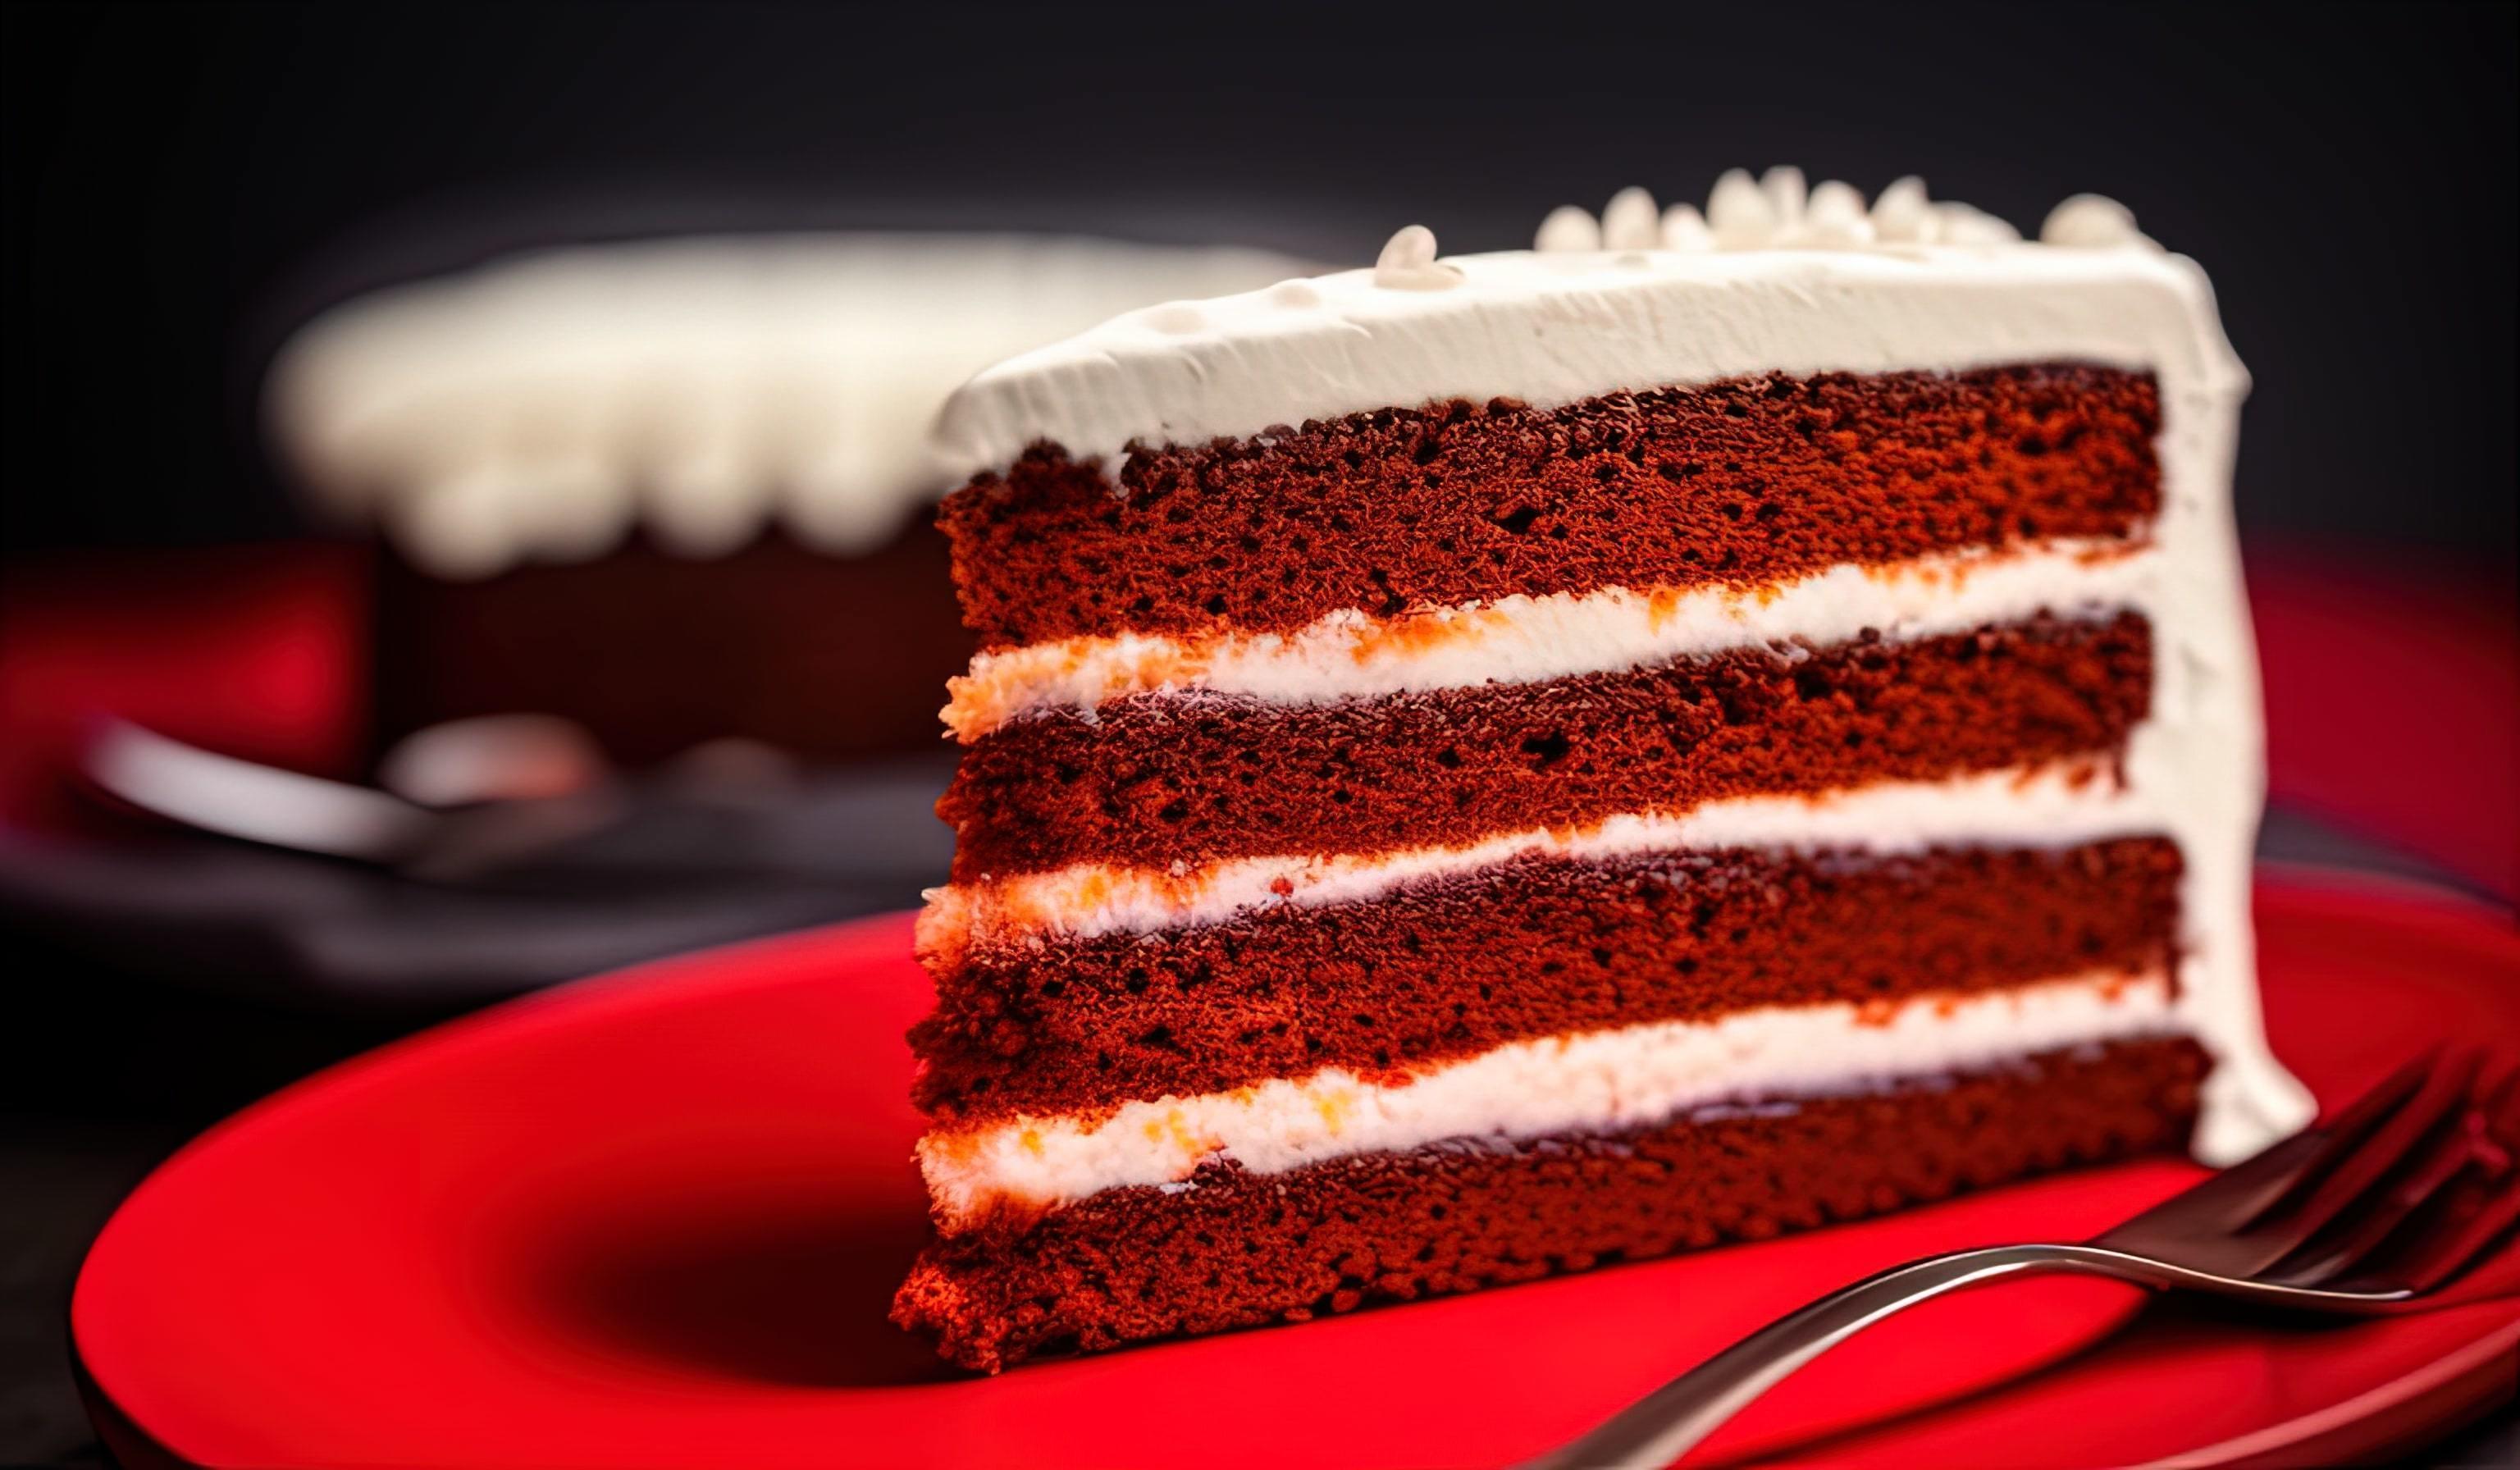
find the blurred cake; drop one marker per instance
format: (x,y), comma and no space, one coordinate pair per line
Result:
(675,490)
(1489,766)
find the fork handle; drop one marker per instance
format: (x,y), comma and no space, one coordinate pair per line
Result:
(1666,1423)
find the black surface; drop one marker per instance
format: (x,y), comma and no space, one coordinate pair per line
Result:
(182,182)
(613,877)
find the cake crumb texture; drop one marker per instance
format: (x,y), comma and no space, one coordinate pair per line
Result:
(1241,1250)
(1744,481)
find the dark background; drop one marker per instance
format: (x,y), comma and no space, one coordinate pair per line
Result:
(183,183)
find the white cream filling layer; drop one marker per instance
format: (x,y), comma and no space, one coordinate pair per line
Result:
(1525,640)
(1601,1081)
(2046,807)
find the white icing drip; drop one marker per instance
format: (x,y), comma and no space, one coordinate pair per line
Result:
(1602,1081)
(1524,640)
(537,407)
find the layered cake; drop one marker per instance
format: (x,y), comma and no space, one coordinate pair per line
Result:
(639,485)
(1493,766)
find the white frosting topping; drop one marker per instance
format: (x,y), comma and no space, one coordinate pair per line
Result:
(1786,193)
(1684,229)
(1631,222)
(1968,225)
(1601,1081)
(1834,219)
(536,408)
(1568,228)
(1778,211)
(2091,222)
(1772,279)
(1900,214)
(1741,214)
(1524,639)
(1408,263)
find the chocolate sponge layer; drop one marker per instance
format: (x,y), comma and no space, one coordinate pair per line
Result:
(1745,481)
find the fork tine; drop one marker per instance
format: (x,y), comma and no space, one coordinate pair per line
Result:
(2447,1252)
(2243,1193)
(2362,1169)
(2366,1224)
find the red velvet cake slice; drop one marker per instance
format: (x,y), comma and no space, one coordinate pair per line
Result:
(1492,766)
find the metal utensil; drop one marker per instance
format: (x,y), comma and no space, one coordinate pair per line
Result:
(718,814)
(2363,1213)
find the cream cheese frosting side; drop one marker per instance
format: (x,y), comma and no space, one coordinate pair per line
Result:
(1598,1081)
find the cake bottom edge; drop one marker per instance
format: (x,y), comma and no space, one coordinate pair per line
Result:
(1231,1249)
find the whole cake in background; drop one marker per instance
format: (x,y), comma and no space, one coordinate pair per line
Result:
(1492,766)
(672,490)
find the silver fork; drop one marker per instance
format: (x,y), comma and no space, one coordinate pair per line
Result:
(2362,1213)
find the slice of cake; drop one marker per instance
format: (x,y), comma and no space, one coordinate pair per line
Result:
(1486,767)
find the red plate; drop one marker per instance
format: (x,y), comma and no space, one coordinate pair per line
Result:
(656,1219)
